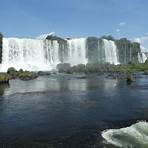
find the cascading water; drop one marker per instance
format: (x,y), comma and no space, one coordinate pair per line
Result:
(28,54)
(111,55)
(142,57)
(77,51)
(51,52)
(43,54)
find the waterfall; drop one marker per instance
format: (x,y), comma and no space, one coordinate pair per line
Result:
(77,51)
(111,55)
(142,57)
(43,54)
(51,52)
(28,54)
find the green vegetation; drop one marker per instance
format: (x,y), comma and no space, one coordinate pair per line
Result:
(23,75)
(26,75)
(105,68)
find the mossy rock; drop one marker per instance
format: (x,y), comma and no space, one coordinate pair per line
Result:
(26,75)
(4,78)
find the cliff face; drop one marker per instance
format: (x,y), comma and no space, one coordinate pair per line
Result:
(92,49)
(1,46)
(62,45)
(127,51)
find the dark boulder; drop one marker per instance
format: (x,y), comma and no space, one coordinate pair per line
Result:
(12,72)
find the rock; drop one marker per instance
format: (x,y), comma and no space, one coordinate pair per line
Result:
(129,79)
(44,73)
(26,75)
(12,72)
(4,78)
(63,67)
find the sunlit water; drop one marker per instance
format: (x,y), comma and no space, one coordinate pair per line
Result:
(68,112)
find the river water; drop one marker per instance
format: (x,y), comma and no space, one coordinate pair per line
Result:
(67,112)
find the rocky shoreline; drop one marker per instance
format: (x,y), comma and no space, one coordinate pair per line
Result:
(12,73)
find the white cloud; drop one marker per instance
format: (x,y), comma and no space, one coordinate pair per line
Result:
(120,27)
(121,24)
(118,30)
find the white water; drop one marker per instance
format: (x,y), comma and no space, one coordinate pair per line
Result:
(44,36)
(37,54)
(28,54)
(111,55)
(135,136)
(142,57)
(43,55)
(52,52)
(77,51)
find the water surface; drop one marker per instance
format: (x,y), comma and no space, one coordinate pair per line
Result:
(65,112)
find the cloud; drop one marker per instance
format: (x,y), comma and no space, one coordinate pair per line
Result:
(121,24)
(120,27)
(118,30)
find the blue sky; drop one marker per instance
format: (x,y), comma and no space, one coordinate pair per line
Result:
(74,18)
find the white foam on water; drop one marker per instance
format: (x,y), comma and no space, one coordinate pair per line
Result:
(134,136)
